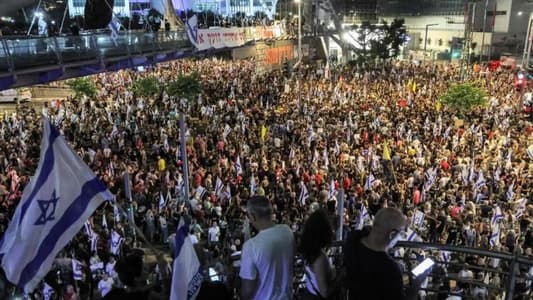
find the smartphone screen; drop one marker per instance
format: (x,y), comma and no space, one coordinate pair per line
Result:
(423,267)
(453,284)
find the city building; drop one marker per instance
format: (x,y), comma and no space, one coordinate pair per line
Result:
(77,8)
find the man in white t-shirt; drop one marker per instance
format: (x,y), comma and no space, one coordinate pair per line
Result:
(105,284)
(267,259)
(213,233)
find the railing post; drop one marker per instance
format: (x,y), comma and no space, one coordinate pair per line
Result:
(10,63)
(511,282)
(99,54)
(58,52)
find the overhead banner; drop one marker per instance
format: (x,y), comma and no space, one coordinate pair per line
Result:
(218,38)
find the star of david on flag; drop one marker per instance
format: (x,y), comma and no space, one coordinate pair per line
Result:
(55,205)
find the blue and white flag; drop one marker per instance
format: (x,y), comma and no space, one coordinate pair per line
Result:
(412,236)
(55,205)
(114,27)
(116,213)
(186,275)
(431,177)
(494,238)
(161,202)
(253,187)
(48,291)
(116,240)
(480,182)
(88,228)
(219,185)
(77,270)
(192,30)
(509,194)
(94,242)
(497,174)
(304,194)
(332,191)
(369,181)
(521,208)
(497,215)
(238,166)
(362,217)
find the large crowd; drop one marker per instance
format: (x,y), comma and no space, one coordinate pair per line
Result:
(379,135)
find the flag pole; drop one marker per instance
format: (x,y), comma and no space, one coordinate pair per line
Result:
(185,165)
(340,206)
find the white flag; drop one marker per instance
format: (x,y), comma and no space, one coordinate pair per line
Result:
(56,203)
(77,270)
(304,194)
(186,276)
(116,240)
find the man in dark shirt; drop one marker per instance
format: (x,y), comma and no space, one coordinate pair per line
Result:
(371,272)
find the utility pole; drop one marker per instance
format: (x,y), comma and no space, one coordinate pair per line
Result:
(426,38)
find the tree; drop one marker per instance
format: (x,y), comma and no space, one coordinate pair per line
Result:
(381,41)
(463,97)
(185,87)
(146,87)
(82,86)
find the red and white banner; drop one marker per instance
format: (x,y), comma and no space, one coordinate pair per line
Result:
(218,38)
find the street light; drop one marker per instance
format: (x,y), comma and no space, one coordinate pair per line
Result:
(426,38)
(299,2)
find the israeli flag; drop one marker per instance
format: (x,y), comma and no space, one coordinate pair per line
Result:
(332,190)
(77,270)
(219,185)
(186,276)
(161,202)
(55,205)
(304,194)
(48,291)
(253,187)
(238,166)
(509,194)
(369,181)
(362,217)
(480,182)
(521,208)
(494,238)
(497,215)
(116,213)
(431,177)
(116,240)
(88,228)
(94,242)
(192,30)
(412,236)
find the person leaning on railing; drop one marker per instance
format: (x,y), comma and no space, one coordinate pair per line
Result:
(319,274)
(370,272)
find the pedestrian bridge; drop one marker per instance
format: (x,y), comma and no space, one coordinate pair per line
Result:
(29,60)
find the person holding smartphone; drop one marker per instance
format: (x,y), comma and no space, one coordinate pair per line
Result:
(371,272)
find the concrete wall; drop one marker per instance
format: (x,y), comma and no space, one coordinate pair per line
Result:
(268,55)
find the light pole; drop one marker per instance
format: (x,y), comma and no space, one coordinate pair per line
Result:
(426,38)
(299,2)
(527,43)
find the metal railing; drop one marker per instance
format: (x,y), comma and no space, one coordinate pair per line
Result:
(26,52)
(512,269)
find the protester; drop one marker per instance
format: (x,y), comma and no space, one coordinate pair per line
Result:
(267,259)
(316,238)
(298,140)
(371,272)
